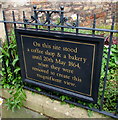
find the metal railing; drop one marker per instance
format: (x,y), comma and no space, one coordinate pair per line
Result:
(62,24)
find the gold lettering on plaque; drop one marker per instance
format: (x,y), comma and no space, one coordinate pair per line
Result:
(28,49)
(37,50)
(48,59)
(36,44)
(69,83)
(58,54)
(73,64)
(74,57)
(40,70)
(58,61)
(37,57)
(44,77)
(56,80)
(64,56)
(49,78)
(67,70)
(55,68)
(52,54)
(46,45)
(76,79)
(63,76)
(55,47)
(43,65)
(73,50)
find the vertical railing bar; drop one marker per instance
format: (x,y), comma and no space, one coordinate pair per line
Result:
(3,62)
(35,16)
(62,20)
(94,24)
(14,20)
(77,24)
(6,31)
(48,19)
(107,63)
(8,41)
(13,15)
(24,20)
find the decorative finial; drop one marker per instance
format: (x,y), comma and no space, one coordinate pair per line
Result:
(34,6)
(62,7)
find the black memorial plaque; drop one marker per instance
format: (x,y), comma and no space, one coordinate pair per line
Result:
(66,63)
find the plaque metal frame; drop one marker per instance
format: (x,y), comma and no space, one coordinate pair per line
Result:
(97,42)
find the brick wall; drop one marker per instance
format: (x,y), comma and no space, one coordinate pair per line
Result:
(86,10)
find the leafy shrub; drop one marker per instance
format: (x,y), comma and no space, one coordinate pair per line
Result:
(11,78)
(111,93)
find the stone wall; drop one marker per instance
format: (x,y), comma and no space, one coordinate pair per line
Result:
(103,10)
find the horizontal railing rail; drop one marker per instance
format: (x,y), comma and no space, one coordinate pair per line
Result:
(60,26)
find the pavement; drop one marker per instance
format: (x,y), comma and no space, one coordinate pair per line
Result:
(22,113)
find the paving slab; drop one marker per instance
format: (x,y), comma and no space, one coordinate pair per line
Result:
(22,113)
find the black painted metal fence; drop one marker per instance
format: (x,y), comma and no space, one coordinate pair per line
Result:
(61,25)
